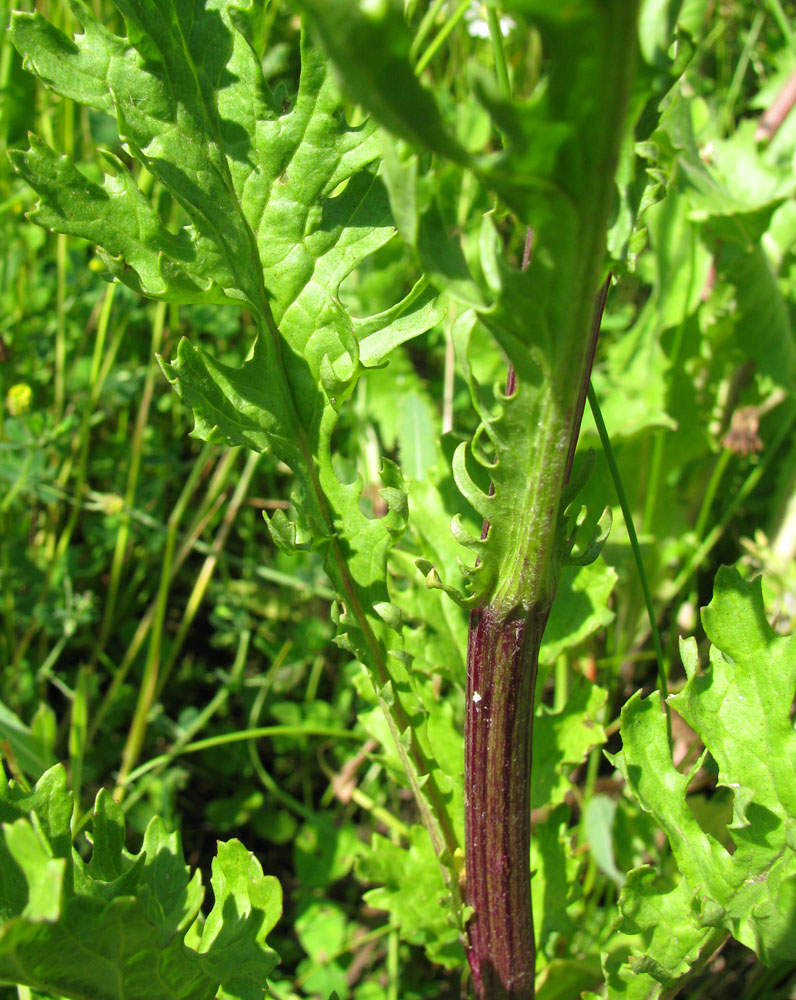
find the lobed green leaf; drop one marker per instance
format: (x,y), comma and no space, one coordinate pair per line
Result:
(115,927)
(411,891)
(282,201)
(740,706)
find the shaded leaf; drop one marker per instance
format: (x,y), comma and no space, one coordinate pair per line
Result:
(411,892)
(740,706)
(115,928)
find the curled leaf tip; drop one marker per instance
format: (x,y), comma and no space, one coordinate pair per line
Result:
(596,542)
(433,582)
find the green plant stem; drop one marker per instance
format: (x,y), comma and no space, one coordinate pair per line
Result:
(425,27)
(653,481)
(264,572)
(102,361)
(314,679)
(393,964)
(561,682)
(275,791)
(77,461)
(506,632)
(728,109)
(240,736)
(209,567)
(585,795)
(397,828)
(381,815)
(149,683)
(6,65)
(136,455)
(636,549)
(264,40)
(713,536)
(782,20)
(719,469)
(77,740)
(357,942)
(45,671)
(62,247)
(212,501)
(498,51)
(59,374)
(218,700)
(9,617)
(441,36)
(502,663)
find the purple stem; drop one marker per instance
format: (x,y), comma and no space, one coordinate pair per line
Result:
(502,661)
(502,658)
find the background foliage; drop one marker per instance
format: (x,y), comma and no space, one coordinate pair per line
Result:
(147,621)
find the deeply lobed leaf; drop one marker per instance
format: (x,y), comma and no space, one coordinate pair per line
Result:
(114,928)
(412,891)
(740,706)
(283,201)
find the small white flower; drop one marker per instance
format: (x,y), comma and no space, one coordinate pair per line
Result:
(477,25)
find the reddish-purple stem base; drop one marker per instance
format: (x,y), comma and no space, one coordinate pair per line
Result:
(501,674)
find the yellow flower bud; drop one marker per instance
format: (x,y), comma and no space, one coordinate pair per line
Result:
(19,399)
